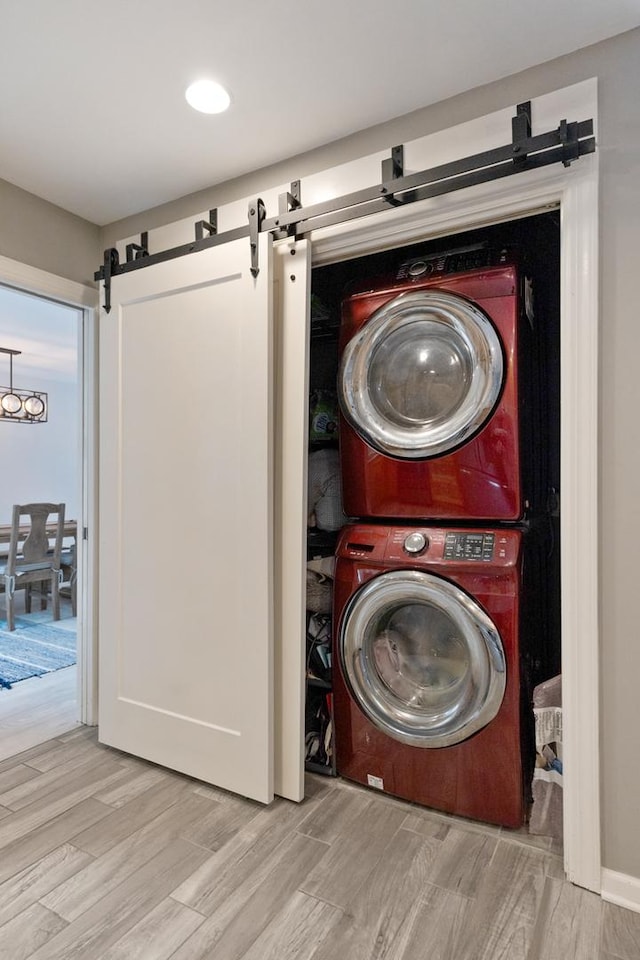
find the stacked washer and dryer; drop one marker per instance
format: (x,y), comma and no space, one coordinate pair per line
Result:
(438,621)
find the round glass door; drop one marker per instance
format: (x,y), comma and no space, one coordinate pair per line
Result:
(422,659)
(422,375)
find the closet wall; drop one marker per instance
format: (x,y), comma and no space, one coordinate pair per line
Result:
(37,233)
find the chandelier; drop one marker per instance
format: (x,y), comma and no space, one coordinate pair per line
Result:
(21,406)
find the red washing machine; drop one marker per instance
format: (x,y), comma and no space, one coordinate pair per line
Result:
(427,676)
(435,388)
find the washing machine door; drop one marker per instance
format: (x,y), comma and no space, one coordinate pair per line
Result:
(423,374)
(421,658)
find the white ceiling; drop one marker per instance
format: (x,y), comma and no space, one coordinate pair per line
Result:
(92,109)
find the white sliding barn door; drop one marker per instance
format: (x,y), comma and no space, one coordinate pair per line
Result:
(186,517)
(292,276)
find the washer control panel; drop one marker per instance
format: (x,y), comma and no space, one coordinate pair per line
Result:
(427,547)
(469,546)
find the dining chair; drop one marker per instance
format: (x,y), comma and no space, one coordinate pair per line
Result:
(32,558)
(69,578)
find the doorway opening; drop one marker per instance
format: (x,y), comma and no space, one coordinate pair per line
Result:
(535,241)
(42,463)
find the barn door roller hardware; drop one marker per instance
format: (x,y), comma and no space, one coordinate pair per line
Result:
(525,152)
(291,200)
(256,218)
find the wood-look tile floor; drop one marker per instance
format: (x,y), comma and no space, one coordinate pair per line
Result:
(39,708)
(106,857)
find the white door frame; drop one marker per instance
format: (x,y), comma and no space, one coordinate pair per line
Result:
(575,191)
(23,277)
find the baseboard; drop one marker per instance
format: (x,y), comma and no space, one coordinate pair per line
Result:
(621,889)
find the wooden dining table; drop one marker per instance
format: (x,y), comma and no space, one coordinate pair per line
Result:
(70,531)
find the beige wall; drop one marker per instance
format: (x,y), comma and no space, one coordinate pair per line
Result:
(37,233)
(616,64)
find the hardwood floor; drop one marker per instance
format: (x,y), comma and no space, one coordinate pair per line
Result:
(106,857)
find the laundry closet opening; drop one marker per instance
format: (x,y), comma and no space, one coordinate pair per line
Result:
(433,580)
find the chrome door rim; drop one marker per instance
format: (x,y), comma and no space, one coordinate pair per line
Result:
(475,335)
(486,680)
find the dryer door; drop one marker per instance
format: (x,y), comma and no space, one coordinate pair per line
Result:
(422,376)
(422,659)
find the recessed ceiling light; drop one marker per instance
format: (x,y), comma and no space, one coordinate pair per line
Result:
(207,96)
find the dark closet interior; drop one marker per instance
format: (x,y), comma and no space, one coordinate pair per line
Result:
(535,240)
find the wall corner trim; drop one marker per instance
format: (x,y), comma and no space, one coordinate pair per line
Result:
(621,889)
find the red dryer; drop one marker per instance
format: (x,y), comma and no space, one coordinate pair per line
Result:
(434,392)
(427,667)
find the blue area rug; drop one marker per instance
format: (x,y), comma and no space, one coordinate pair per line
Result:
(33,649)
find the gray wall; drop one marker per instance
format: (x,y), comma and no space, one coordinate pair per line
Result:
(616,63)
(38,233)
(41,463)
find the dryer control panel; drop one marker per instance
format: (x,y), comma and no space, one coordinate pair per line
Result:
(452,261)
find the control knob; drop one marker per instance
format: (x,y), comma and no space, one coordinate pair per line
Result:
(415,543)
(417,268)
